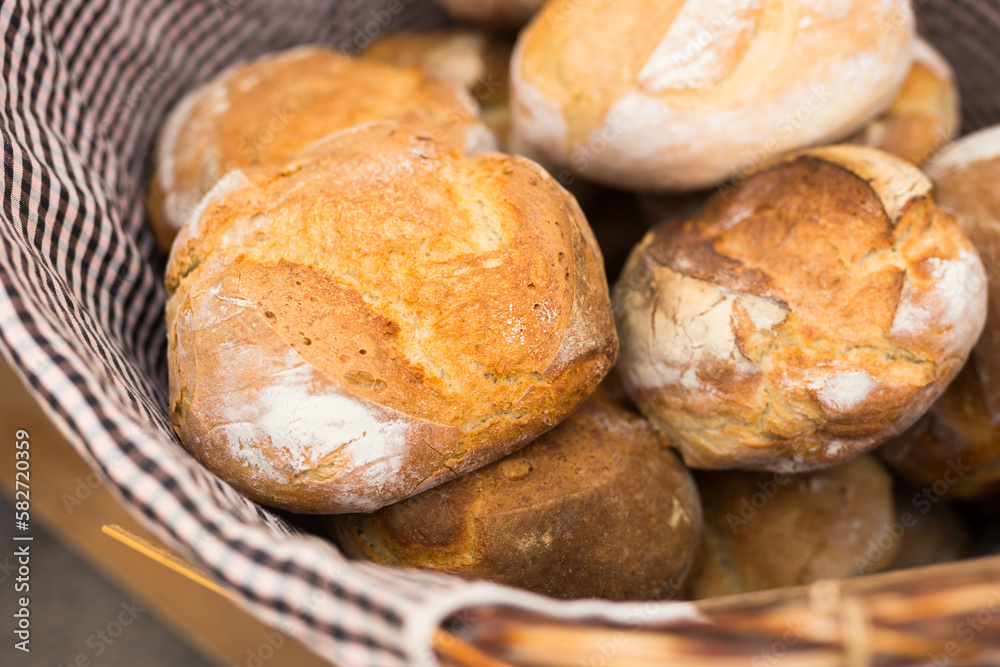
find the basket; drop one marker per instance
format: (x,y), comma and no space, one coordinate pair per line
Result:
(86,86)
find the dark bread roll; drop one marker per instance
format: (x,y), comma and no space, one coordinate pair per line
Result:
(954,449)
(802,318)
(597,507)
(766,531)
(379,316)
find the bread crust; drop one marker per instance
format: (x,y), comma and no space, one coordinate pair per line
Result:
(597,507)
(965,176)
(924,116)
(264,112)
(954,449)
(473,60)
(800,319)
(766,531)
(680,95)
(413,313)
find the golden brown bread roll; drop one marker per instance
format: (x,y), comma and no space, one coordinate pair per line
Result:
(802,318)
(924,116)
(954,449)
(266,111)
(378,316)
(497,13)
(965,176)
(597,507)
(474,60)
(679,95)
(771,530)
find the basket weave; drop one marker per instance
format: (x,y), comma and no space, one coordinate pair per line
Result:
(86,85)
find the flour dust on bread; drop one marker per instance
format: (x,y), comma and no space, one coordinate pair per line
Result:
(802,318)
(266,111)
(680,95)
(597,507)
(379,316)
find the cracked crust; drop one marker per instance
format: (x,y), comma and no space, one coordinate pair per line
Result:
(766,531)
(379,316)
(265,112)
(802,318)
(597,507)
(680,95)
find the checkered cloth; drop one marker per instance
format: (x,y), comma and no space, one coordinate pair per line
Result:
(85,85)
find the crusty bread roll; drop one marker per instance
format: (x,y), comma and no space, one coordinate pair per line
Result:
(475,60)
(679,95)
(378,316)
(266,111)
(965,176)
(497,13)
(597,507)
(924,116)
(802,318)
(954,449)
(766,531)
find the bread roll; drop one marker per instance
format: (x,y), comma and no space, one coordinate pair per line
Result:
(803,318)
(679,95)
(965,176)
(265,112)
(597,507)
(474,60)
(953,450)
(497,13)
(767,531)
(379,316)
(924,116)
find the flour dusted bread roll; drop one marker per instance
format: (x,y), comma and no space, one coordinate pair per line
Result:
(497,13)
(266,111)
(802,318)
(597,507)
(924,116)
(965,175)
(378,316)
(474,60)
(767,531)
(680,94)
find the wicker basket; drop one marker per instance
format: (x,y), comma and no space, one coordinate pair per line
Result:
(81,322)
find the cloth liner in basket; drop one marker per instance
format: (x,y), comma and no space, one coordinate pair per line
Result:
(85,87)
